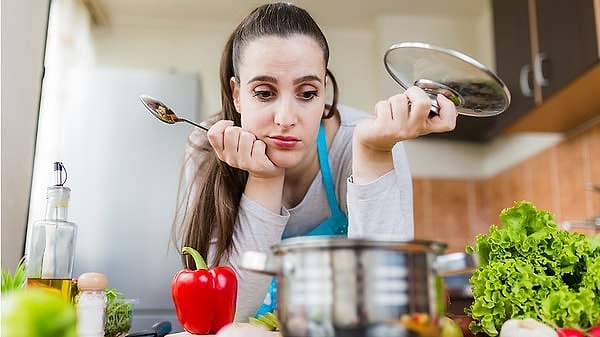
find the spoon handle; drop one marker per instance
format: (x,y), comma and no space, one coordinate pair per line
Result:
(194,124)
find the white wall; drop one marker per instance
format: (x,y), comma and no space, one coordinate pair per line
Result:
(23,36)
(356,54)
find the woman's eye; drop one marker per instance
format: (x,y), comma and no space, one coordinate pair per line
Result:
(308,95)
(263,94)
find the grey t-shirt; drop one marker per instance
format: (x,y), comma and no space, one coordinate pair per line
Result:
(380,208)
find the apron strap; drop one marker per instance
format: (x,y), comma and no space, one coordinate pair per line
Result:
(337,224)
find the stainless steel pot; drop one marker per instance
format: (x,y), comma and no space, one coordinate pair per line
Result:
(334,286)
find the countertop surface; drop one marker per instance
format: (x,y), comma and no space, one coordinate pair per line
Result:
(187,334)
(235,330)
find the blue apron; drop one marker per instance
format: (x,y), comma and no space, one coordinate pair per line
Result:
(336,224)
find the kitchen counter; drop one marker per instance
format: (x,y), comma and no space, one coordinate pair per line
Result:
(242,333)
(187,334)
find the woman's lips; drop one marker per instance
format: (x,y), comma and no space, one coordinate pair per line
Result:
(284,141)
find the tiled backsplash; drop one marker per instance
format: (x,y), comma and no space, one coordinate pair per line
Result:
(456,210)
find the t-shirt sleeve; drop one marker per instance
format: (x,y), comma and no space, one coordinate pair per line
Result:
(383,208)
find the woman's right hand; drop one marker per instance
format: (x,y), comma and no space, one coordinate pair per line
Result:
(241,149)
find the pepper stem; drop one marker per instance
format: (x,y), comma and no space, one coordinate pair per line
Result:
(198,260)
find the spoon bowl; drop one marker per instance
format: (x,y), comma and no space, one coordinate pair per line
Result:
(159,110)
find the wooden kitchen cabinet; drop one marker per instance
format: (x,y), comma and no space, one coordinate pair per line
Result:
(541,48)
(512,41)
(567,36)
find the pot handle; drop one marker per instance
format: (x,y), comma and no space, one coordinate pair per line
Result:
(260,262)
(456,263)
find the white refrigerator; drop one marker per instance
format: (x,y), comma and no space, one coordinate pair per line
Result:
(123,167)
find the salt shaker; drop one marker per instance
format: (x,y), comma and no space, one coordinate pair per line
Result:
(91,305)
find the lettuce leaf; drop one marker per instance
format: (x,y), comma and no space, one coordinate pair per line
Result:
(530,268)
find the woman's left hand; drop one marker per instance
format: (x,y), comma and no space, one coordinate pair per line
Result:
(401,117)
(405,116)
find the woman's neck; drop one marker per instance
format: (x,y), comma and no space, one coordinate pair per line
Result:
(298,179)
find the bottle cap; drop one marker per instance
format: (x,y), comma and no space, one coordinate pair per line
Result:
(92,281)
(60,170)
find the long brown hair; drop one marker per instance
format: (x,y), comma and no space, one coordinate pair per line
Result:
(209,208)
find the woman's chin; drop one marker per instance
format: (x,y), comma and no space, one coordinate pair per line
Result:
(287,160)
(285,164)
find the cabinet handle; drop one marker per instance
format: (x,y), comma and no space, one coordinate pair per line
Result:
(524,81)
(537,70)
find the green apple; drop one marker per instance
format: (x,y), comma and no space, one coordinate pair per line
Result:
(36,312)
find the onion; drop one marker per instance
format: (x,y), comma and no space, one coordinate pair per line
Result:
(526,327)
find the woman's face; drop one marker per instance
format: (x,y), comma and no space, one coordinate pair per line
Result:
(281,95)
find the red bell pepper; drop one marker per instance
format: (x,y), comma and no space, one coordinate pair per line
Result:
(204,299)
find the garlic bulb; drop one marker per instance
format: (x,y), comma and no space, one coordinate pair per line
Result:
(526,327)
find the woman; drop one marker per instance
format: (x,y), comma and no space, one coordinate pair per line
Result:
(278,161)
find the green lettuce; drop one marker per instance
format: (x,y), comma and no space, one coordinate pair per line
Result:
(531,269)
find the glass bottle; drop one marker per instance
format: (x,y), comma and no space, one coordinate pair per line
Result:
(51,245)
(91,305)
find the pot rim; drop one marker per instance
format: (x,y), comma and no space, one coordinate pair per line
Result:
(328,242)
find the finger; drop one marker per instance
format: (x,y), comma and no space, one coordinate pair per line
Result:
(245,144)
(383,111)
(400,105)
(216,133)
(446,105)
(231,139)
(259,148)
(447,113)
(420,102)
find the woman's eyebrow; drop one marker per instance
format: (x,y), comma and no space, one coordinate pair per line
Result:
(307,78)
(265,78)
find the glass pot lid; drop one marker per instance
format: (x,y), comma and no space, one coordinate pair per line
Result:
(474,89)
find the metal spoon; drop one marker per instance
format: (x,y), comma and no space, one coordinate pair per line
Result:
(164,113)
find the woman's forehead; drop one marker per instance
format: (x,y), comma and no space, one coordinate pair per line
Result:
(281,53)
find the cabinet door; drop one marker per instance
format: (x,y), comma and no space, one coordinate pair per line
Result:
(513,56)
(567,37)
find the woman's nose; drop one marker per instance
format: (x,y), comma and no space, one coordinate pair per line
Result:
(285,114)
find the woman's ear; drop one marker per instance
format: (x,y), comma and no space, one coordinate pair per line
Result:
(235,92)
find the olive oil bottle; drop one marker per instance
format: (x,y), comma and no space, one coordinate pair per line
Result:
(51,245)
